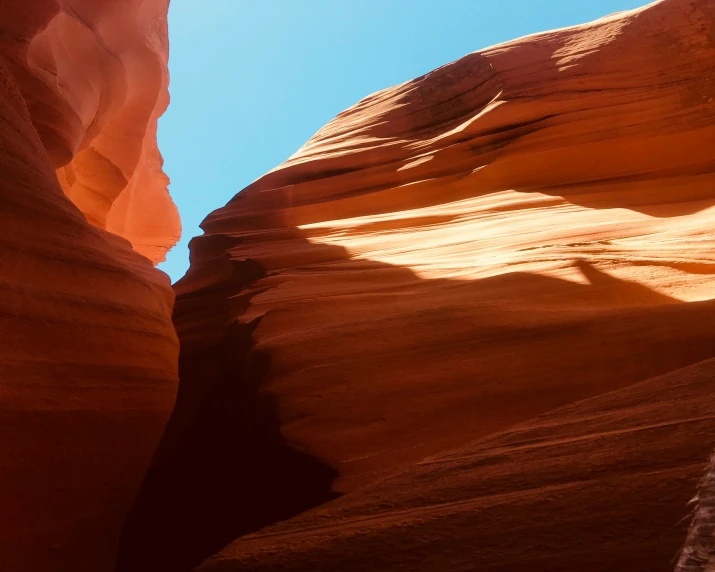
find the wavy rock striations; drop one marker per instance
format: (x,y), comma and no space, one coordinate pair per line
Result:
(474,313)
(89,352)
(483,298)
(94,77)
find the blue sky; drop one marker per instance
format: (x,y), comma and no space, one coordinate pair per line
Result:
(252,80)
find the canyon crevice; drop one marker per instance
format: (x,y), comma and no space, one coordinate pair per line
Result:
(486,302)
(468,325)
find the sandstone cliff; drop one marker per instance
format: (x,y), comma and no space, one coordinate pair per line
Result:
(95,81)
(477,305)
(89,352)
(467,326)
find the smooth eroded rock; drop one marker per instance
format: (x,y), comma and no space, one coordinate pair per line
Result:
(89,360)
(476,296)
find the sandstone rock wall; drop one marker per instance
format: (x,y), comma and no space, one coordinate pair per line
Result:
(95,80)
(474,312)
(515,244)
(88,361)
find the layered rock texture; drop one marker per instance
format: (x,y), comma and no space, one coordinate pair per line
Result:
(477,306)
(94,78)
(468,326)
(89,359)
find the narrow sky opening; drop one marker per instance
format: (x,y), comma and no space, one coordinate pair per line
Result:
(252,80)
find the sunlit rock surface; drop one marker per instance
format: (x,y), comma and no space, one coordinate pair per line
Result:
(94,76)
(88,360)
(467,326)
(483,299)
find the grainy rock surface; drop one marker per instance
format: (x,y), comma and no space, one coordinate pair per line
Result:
(468,326)
(88,367)
(504,266)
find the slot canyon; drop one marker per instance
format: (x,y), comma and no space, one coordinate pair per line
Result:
(469,325)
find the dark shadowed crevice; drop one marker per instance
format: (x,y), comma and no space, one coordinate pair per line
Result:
(223,469)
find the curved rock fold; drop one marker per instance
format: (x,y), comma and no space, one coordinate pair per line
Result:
(89,359)
(484,295)
(468,325)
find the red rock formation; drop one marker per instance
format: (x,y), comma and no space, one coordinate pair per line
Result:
(597,485)
(89,353)
(94,76)
(503,267)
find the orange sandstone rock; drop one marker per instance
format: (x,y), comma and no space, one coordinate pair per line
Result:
(94,76)
(89,353)
(597,485)
(503,267)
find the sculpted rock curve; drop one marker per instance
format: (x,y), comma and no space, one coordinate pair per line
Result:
(484,299)
(95,80)
(89,354)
